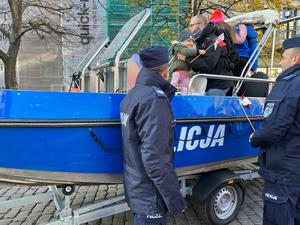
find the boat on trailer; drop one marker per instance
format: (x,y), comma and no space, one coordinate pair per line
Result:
(65,138)
(74,138)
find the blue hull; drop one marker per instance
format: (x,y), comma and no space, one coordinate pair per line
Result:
(60,132)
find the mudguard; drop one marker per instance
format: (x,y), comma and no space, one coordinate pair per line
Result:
(210,181)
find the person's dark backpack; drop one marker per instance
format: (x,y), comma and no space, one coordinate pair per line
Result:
(253,89)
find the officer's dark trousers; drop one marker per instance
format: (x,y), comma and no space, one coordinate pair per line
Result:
(148,220)
(281,204)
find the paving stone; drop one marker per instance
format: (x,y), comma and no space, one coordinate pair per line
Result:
(107,220)
(111,194)
(12,191)
(245,221)
(32,218)
(248,211)
(257,220)
(40,207)
(118,221)
(15,223)
(28,207)
(78,201)
(44,218)
(3,198)
(120,192)
(255,198)
(22,215)
(50,209)
(93,188)
(5,221)
(12,213)
(100,195)
(103,187)
(22,190)
(30,191)
(4,211)
(241,215)
(257,209)
(42,190)
(95,222)
(3,190)
(260,203)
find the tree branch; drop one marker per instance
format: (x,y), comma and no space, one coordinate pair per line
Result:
(4,31)
(3,56)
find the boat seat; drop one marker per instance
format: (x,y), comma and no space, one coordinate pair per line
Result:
(197,85)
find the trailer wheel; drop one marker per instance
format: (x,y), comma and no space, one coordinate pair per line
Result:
(68,189)
(222,206)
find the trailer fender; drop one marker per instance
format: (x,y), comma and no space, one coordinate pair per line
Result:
(210,181)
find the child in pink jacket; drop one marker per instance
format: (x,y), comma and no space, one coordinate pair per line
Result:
(180,69)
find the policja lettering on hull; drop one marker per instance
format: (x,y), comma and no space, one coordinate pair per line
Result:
(189,139)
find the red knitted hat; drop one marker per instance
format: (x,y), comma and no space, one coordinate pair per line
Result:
(216,16)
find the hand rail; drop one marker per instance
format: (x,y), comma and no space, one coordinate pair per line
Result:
(225,77)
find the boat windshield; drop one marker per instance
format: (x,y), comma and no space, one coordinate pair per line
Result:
(119,41)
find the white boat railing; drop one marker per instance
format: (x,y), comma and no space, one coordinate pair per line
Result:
(224,77)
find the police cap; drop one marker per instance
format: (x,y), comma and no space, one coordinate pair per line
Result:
(154,56)
(291,43)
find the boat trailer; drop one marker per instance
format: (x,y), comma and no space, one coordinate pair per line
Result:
(60,194)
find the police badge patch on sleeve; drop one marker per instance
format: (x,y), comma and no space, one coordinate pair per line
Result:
(269,109)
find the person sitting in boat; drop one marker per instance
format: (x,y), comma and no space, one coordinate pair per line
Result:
(216,60)
(150,182)
(180,69)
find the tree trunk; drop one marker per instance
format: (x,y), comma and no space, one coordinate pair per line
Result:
(10,65)
(10,73)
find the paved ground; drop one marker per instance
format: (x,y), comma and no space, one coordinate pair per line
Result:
(251,212)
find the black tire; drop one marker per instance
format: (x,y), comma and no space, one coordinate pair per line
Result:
(68,189)
(212,212)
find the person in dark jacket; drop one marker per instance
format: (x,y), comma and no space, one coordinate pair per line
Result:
(216,60)
(279,140)
(151,185)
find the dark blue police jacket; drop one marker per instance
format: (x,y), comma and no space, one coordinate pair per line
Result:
(279,134)
(151,185)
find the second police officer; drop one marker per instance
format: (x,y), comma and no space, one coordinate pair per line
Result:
(279,140)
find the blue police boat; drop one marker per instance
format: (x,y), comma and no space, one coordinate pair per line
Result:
(58,137)
(74,138)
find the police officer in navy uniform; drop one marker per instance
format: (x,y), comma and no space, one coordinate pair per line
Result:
(151,185)
(279,140)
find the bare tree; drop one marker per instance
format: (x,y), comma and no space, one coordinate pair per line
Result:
(40,17)
(206,6)
(230,7)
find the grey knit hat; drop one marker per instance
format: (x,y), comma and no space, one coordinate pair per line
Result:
(186,35)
